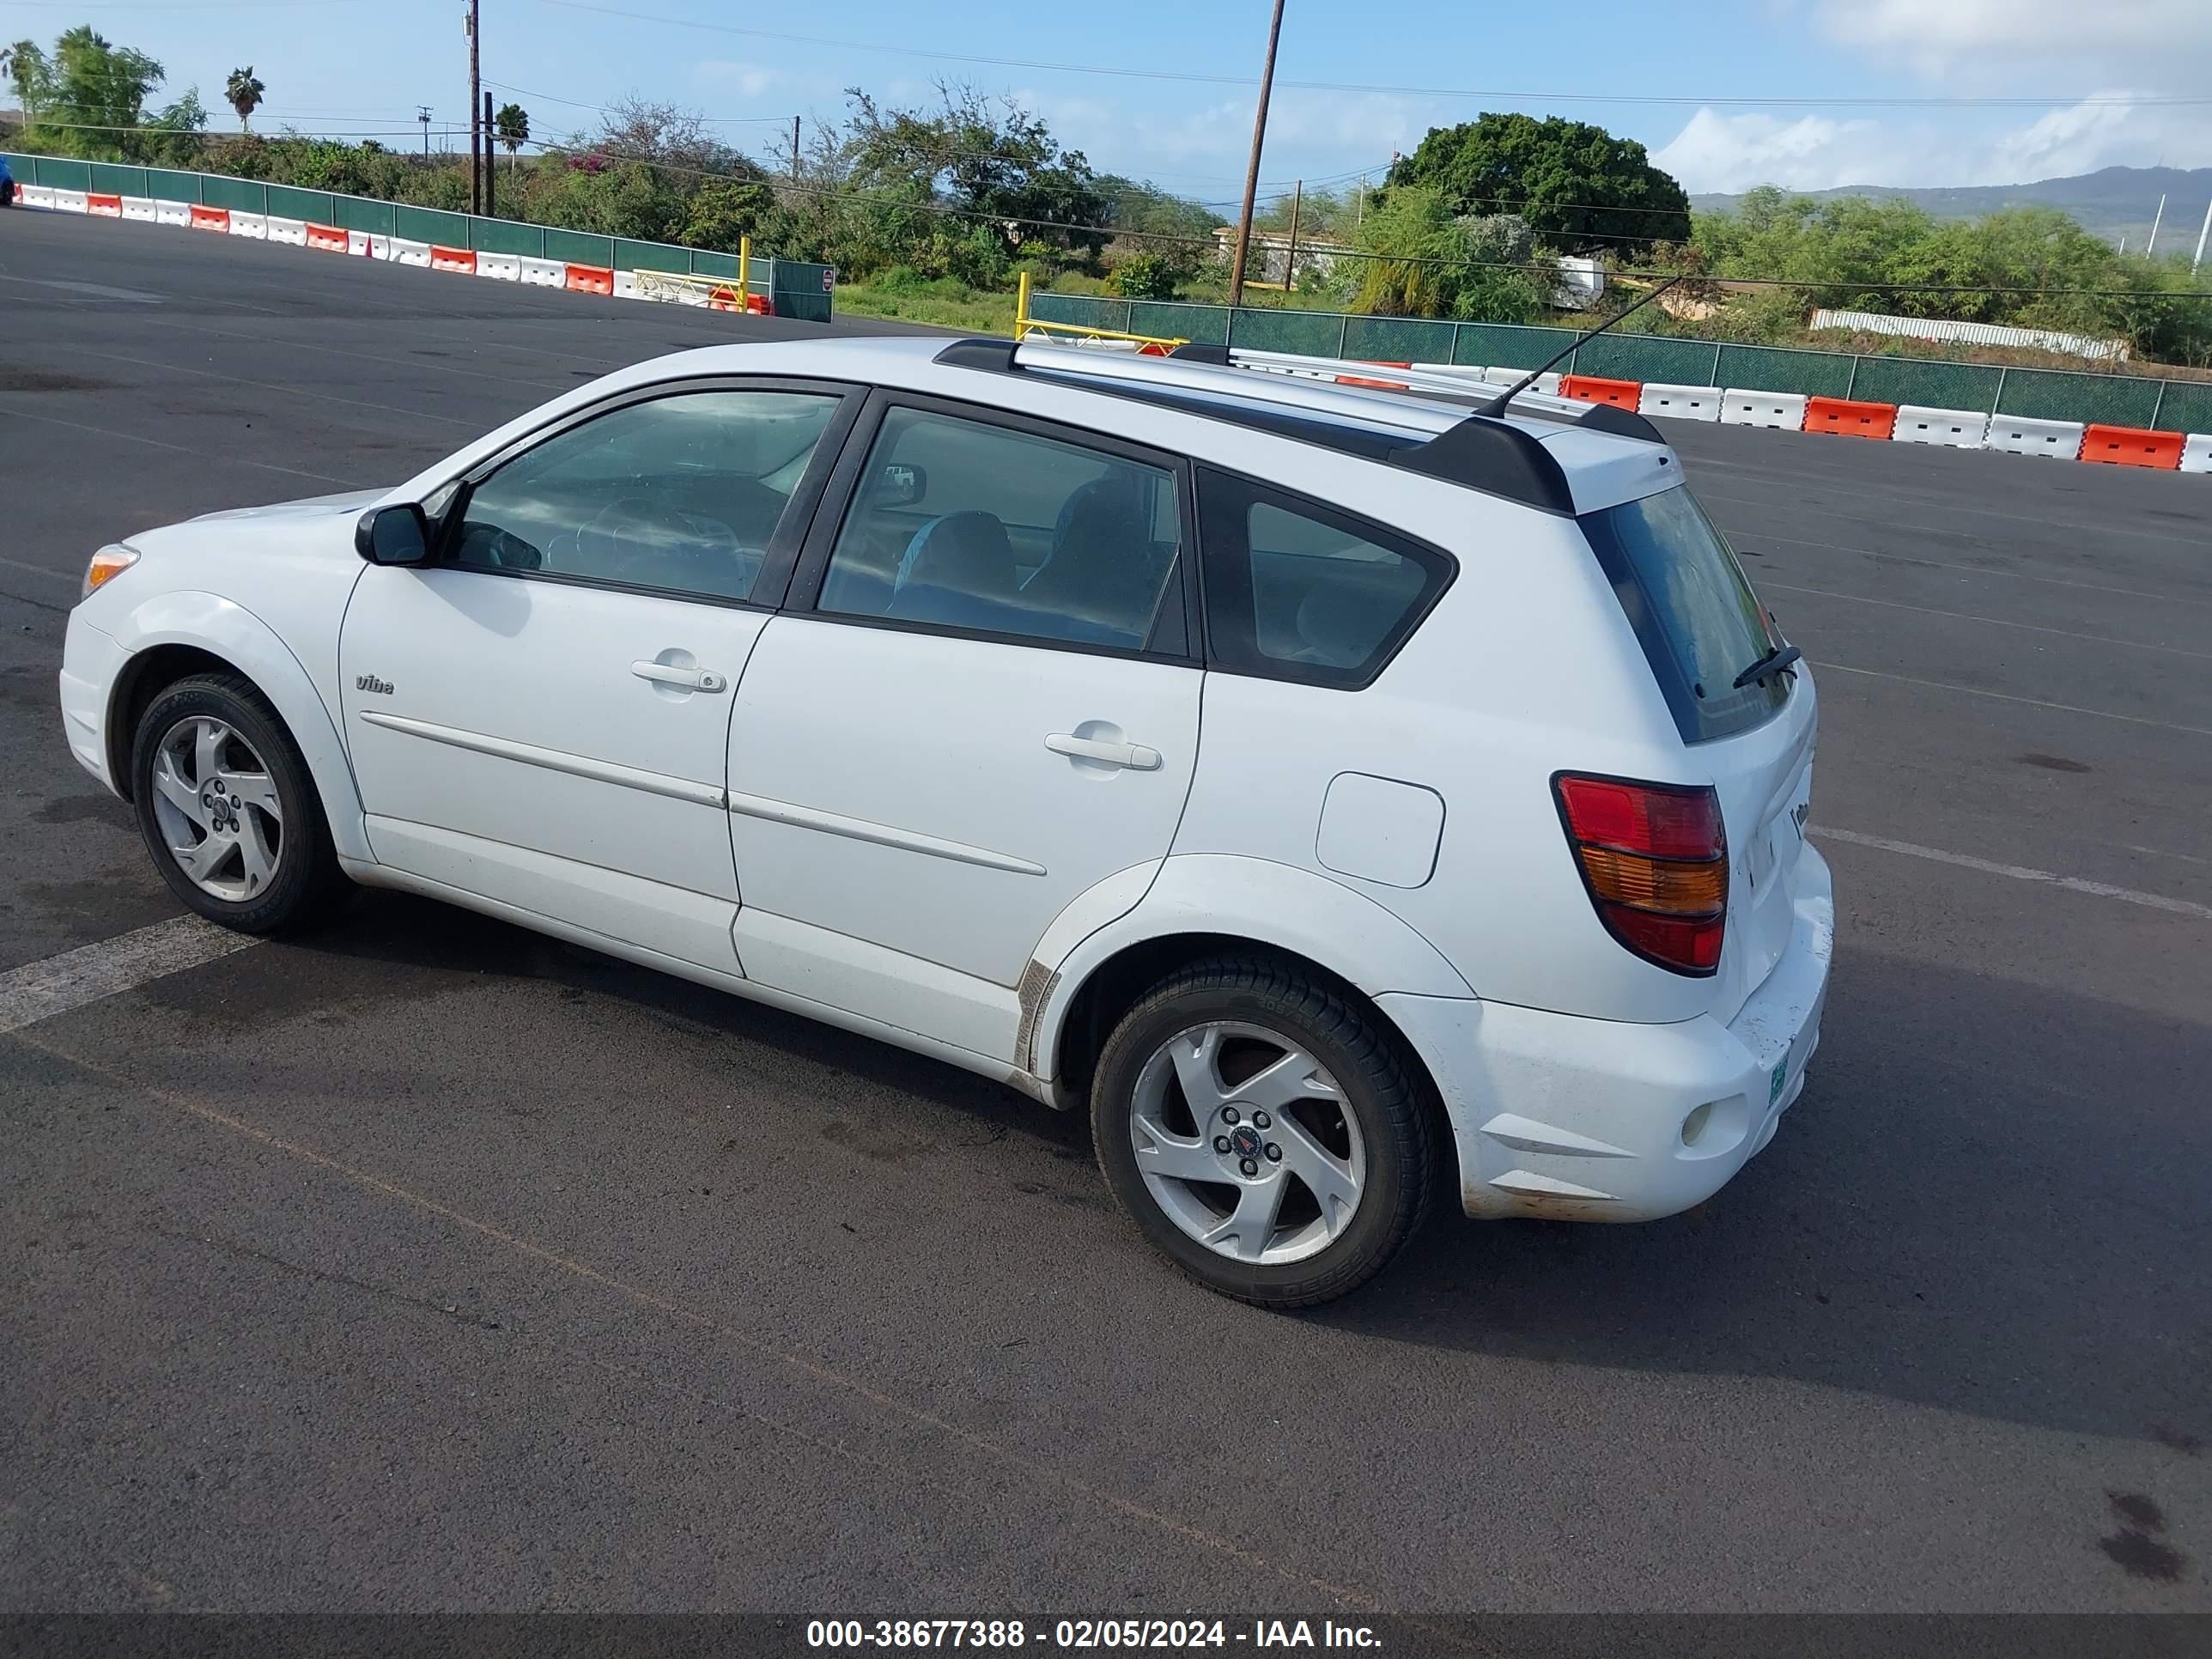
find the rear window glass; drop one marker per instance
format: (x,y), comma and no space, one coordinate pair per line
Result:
(1295,590)
(1692,610)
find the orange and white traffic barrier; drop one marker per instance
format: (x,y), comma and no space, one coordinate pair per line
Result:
(2129,446)
(208,218)
(1680,403)
(1362,380)
(1954,429)
(590,279)
(460,259)
(1850,418)
(2024,435)
(329,238)
(1596,389)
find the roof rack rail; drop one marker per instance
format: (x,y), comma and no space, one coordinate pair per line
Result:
(1439,410)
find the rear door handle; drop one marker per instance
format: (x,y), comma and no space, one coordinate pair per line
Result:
(1133,756)
(692,680)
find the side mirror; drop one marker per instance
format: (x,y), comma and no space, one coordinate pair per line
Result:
(901,483)
(398,534)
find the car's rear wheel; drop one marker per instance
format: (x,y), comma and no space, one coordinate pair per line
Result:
(229,809)
(1261,1128)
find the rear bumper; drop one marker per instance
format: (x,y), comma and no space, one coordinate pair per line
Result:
(1593,1119)
(91,662)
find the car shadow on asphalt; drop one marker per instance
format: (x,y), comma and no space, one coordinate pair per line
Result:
(1989,1199)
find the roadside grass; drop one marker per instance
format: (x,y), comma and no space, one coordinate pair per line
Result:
(943,303)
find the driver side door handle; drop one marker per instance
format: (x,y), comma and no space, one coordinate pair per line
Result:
(1135,756)
(691,679)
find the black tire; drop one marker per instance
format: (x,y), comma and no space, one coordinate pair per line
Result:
(307,883)
(1393,1115)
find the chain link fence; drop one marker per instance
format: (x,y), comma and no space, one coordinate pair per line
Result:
(795,283)
(2051,394)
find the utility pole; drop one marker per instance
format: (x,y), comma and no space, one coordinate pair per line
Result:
(794,149)
(2201,235)
(489,172)
(422,114)
(1252,171)
(475,133)
(2157,219)
(1290,265)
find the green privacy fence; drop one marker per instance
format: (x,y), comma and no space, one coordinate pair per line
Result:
(796,287)
(2050,394)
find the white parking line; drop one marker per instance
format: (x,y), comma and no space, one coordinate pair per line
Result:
(40,990)
(2019,872)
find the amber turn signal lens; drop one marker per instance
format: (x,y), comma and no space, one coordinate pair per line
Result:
(1678,889)
(106,565)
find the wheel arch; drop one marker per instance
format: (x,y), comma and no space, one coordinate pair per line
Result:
(1209,905)
(175,635)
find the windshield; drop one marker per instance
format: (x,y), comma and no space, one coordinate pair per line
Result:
(1692,610)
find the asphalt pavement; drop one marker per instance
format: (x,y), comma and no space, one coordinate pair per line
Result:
(428,1264)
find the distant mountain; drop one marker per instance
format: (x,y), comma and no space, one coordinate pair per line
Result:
(2111,203)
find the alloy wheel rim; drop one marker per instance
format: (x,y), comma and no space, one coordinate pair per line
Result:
(1247,1143)
(217,808)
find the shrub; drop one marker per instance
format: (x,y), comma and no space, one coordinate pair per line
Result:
(1143,277)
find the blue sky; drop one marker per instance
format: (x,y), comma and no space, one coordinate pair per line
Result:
(1735,68)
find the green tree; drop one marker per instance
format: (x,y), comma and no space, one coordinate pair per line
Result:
(722,212)
(95,92)
(244,92)
(1427,262)
(992,160)
(178,136)
(1579,187)
(512,125)
(29,72)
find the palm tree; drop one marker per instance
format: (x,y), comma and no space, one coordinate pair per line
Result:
(243,92)
(25,65)
(513,125)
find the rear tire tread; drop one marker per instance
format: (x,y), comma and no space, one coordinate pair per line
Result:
(1402,1113)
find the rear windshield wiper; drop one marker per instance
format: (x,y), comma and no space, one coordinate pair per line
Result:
(1772,663)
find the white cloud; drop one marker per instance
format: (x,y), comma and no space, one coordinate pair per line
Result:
(1717,152)
(1937,31)
(747,79)
(1735,152)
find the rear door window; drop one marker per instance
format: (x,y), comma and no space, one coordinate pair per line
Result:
(1692,609)
(1297,590)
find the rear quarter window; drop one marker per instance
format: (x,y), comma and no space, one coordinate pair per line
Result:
(1692,610)
(1295,590)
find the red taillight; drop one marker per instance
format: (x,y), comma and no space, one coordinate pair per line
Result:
(1654,858)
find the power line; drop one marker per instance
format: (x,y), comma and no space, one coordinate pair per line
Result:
(609,109)
(1861,102)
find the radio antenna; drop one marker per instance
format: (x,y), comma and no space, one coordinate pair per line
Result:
(1498,405)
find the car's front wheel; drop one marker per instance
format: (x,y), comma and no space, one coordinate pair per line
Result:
(229,809)
(1262,1130)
